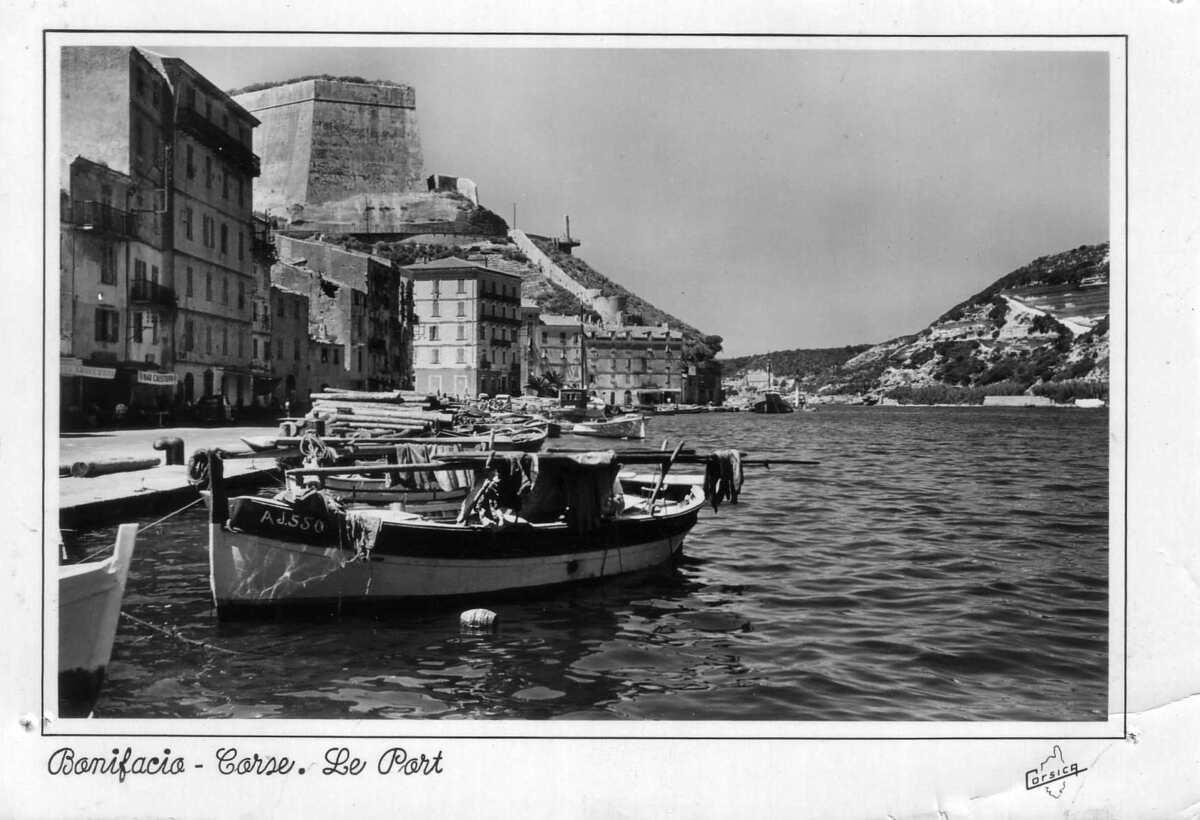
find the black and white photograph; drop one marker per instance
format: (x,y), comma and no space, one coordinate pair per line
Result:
(864,478)
(601,400)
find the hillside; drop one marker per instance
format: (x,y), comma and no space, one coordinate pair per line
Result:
(637,309)
(814,367)
(1042,329)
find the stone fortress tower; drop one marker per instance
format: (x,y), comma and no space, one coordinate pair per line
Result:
(338,154)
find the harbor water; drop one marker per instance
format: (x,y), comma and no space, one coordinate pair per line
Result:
(938,564)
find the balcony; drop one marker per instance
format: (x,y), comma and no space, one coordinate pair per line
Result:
(144,292)
(213,136)
(88,215)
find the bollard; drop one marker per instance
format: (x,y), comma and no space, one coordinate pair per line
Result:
(173,447)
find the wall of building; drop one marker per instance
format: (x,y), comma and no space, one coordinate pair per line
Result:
(329,140)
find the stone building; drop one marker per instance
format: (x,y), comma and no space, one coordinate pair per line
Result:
(362,302)
(630,365)
(336,152)
(528,336)
(466,338)
(184,147)
(211,171)
(557,340)
(116,315)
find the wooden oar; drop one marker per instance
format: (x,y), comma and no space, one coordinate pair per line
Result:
(662,477)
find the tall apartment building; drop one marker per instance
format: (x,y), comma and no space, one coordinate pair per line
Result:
(466,338)
(116,298)
(211,170)
(184,147)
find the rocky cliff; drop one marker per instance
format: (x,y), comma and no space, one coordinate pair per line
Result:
(1042,329)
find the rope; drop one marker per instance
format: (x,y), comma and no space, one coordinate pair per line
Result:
(107,547)
(177,635)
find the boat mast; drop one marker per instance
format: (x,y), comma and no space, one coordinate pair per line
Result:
(582,356)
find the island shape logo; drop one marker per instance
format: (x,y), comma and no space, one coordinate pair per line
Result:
(1052,773)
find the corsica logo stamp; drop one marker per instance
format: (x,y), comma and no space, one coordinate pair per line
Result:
(1052,773)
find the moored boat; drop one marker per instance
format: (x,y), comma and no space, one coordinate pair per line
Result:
(89,605)
(771,402)
(630,425)
(567,526)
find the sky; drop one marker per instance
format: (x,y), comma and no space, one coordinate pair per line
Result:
(779,198)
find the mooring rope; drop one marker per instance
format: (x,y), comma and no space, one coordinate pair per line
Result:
(107,547)
(179,636)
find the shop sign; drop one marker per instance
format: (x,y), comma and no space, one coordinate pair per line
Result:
(159,379)
(73,367)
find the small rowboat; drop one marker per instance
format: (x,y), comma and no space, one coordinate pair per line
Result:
(89,604)
(627,426)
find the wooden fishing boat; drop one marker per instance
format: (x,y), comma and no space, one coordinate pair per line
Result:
(569,526)
(631,425)
(89,605)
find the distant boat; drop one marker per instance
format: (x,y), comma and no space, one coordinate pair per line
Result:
(89,605)
(772,402)
(630,425)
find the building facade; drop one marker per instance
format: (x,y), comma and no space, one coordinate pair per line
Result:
(630,365)
(184,148)
(466,335)
(211,174)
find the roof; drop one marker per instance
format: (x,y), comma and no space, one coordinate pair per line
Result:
(450,263)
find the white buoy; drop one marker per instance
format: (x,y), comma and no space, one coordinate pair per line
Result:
(478,619)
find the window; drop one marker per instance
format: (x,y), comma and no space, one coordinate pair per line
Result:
(296,350)
(224,290)
(225,341)
(434,310)
(138,146)
(437,288)
(224,238)
(324,354)
(460,355)
(208,172)
(433,333)
(136,323)
(241,295)
(140,82)
(224,184)
(241,192)
(191,95)
(208,339)
(279,311)
(241,246)
(462,285)
(208,285)
(545,337)
(154,274)
(139,270)
(296,309)
(154,329)
(358,358)
(433,356)
(191,162)
(186,215)
(266,350)
(241,345)
(462,331)
(462,309)
(337,355)
(189,334)
(254,347)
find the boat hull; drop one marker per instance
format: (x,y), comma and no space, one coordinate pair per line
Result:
(419,560)
(89,606)
(613,428)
